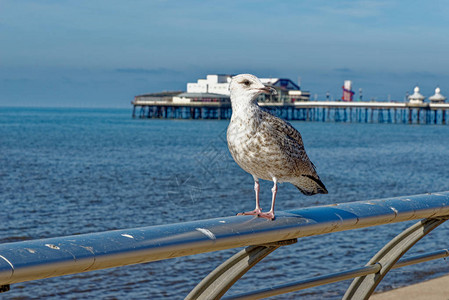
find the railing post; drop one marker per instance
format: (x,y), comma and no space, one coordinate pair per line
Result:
(220,280)
(363,287)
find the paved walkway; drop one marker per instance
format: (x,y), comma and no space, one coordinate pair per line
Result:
(435,289)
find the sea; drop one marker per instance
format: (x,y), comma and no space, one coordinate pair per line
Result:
(67,171)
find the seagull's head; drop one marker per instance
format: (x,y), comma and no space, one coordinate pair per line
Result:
(247,86)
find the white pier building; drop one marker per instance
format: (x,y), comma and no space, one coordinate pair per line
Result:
(437,98)
(416,97)
(218,85)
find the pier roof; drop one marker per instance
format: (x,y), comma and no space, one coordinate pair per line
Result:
(416,97)
(283,83)
(438,97)
(202,95)
(161,94)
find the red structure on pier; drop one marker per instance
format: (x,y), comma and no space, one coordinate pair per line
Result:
(348,94)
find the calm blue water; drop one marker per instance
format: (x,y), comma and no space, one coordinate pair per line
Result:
(70,171)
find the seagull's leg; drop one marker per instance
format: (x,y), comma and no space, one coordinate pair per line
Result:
(257,210)
(270,215)
(257,190)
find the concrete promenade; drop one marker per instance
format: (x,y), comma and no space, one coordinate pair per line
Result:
(434,289)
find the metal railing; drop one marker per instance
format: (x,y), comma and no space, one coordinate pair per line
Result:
(37,259)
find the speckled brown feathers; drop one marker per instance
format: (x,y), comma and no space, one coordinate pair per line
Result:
(273,148)
(265,146)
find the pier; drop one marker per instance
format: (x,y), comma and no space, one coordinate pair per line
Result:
(313,111)
(44,258)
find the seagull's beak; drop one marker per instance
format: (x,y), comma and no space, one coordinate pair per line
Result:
(268,90)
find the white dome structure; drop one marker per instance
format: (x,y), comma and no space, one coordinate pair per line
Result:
(416,97)
(437,98)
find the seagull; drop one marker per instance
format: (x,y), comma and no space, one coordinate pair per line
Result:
(266,146)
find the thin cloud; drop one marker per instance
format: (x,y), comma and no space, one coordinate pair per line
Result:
(158,71)
(343,70)
(357,9)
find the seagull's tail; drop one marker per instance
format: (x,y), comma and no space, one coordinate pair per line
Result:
(310,185)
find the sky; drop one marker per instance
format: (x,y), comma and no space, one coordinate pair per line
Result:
(101,53)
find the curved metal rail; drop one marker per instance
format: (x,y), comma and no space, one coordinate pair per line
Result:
(220,280)
(37,259)
(369,276)
(362,287)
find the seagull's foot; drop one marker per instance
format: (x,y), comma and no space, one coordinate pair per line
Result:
(267,215)
(255,212)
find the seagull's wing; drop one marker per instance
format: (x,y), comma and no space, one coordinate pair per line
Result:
(286,135)
(289,131)
(290,141)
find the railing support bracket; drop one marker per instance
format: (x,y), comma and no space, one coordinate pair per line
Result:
(362,287)
(220,280)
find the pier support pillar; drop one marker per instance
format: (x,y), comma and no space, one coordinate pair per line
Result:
(134,111)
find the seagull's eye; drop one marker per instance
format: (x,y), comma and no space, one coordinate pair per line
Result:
(246,82)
